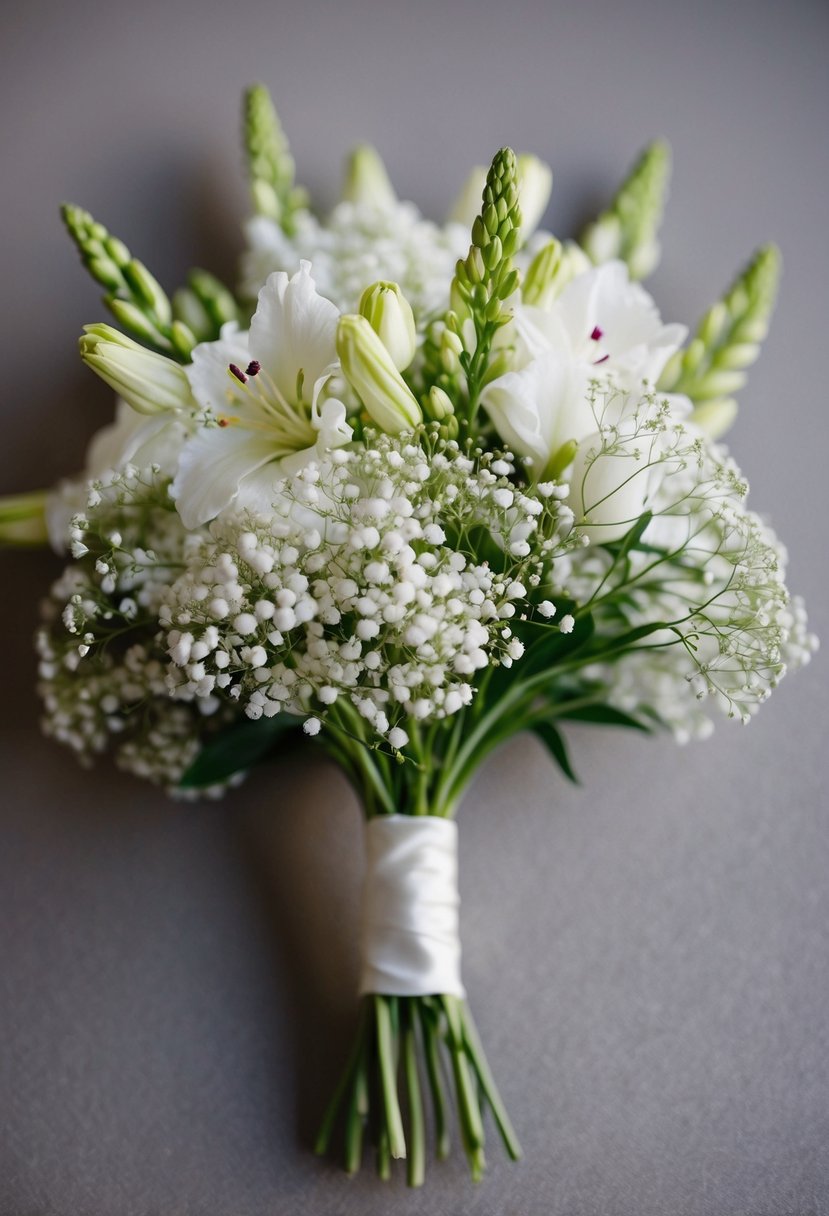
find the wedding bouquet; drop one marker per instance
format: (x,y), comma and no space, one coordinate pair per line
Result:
(415,489)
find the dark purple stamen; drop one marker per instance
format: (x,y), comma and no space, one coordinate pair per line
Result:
(597,334)
(254,367)
(603,359)
(238,373)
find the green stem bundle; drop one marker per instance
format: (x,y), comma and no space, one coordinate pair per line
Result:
(405,1048)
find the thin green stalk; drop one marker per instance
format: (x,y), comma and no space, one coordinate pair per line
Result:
(383,1156)
(433,1072)
(472,1126)
(416,1164)
(357,1114)
(363,1030)
(487,1082)
(388,1074)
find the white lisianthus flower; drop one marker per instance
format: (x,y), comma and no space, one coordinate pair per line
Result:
(602,327)
(263,394)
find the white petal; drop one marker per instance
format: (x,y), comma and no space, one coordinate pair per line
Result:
(211,383)
(539,408)
(293,330)
(134,438)
(211,465)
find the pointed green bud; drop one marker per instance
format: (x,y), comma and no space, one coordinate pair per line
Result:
(134,319)
(217,301)
(183,339)
(189,310)
(370,370)
(714,418)
(390,315)
(713,365)
(148,290)
(467,205)
(150,383)
(628,229)
(535,185)
(439,404)
(270,164)
(366,180)
(539,286)
(23,520)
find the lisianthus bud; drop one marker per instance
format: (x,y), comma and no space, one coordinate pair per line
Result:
(366,179)
(609,489)
(370,370)
(390,315)
(150,383)
(535,184)
(440,403)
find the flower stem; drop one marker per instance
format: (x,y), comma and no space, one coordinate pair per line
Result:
(387,1059)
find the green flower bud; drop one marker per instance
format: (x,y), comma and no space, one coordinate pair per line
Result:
(366,179)
(149,290)
(715,417)
(390,315)
(23,520)
(150,383)
(370,370)
(440,404)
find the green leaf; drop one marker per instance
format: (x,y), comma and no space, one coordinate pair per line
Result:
(237,747)
(545,644)
(605,715)
(553,740)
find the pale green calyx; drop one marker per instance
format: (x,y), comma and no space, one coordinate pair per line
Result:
(149,382)
(629,228)
(134,296)
(371,372)
(23,520)
(390,315)
(270,164)
(366,180)
(713,365)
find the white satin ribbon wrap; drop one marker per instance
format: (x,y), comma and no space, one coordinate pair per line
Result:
(410,940)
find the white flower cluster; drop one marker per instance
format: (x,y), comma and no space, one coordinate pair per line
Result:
(102,670)
(365,593)
(359,244)
(707,575)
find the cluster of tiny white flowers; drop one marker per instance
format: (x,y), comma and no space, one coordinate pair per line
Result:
(366,591)
(102,670)
(709,570)
(358,245)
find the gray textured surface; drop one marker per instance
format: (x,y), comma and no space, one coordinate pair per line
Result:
(647,956)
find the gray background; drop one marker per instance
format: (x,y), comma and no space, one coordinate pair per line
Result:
(646,955)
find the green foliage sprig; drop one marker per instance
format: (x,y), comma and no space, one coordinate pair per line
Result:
(138,301)
(271,167)
(628,229)
(486,278)
(713,365)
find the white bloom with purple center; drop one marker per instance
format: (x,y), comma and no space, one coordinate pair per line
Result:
(263,394)
(602,327)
